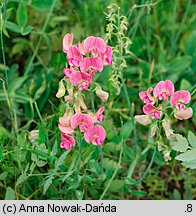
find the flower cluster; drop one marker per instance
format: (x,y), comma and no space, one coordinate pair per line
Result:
(156,102)
(84,60)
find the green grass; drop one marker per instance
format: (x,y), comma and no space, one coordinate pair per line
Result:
(33,166)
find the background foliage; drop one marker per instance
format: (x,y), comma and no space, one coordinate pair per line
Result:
(32,165)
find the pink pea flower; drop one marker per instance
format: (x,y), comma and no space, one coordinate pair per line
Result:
(95,45)
(146,97)
(154,112)
(74,56)
(84,121)
(107,56)
(67,42)
(90,63)
(67,141)
(95,134)
(80,79)
(178,99)
(64,123)
(181,96)
(98,116)
(163,89)
(143,119)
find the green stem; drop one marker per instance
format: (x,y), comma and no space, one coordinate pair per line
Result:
(80,153)
(40,39)
(147,170)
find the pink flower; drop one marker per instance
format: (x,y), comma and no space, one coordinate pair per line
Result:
(90,63)
(67,42)
(146,97)
(74,56)
(98,116)
(163,89)
(95,134)
(80,79)
(107,56)
(143,119)
(64,123)
(183,114)
(67,71)
(154,112)
(179,97)
(84,121)
(95,45)
(67,141)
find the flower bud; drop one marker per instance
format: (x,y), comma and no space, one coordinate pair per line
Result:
(61,90)
(103,95)
(166,126)
(167,156)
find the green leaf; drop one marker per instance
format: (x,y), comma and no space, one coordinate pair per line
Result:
(116,185)
(3,176)
(179,64)
(181,144)
(61,159)
(21,15)
(79,194)
(187,156)
(138,193)
(27,30)
(1,153)
(47,184)
(42,133)
(190,164)
(41,163)
(10,194)
(42,5)
(13,27)
(21,179)
(192,139)
(126,129)
(185,85)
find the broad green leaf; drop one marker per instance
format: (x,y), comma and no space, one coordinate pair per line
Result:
(192,139)
(1,153)
(41,163)
(27,30)
(185,85)
(17,83)
(190,164)
(110,164)
(126,129)
(181,144)
(116,185)
(187,156)
(3,176)
(10,194)
(13,27)
(21,15)
(21,179)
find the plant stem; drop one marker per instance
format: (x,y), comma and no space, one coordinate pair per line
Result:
(80,152)
(40,39)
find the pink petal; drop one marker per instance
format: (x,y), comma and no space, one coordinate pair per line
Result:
(183,114)
(67,42)
(74,56)
(107,56)
(146,97)
(67,141)
(89,63)
(154,112)
(180,96)
(163,89)
(94,45)
(95,134)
